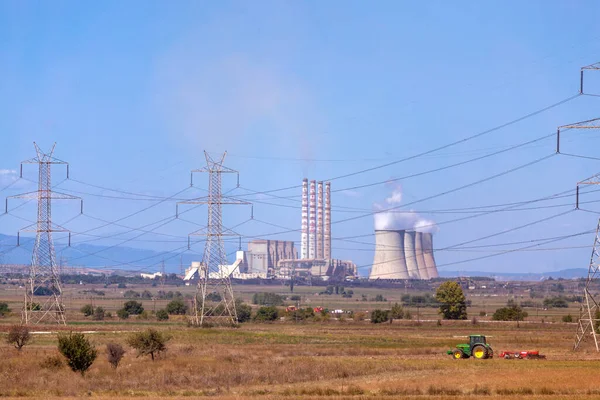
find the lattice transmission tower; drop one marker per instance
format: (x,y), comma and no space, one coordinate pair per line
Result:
(43,290)
(214,302)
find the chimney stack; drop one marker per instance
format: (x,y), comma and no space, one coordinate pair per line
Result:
(327,223)
(304,238)
(312,221)
(320,241)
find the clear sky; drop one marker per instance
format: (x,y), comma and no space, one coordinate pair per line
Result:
(134,92)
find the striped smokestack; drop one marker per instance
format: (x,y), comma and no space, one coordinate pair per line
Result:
(423,272)
(427,243)
(410,254)
(320,220)
(304,238)
(312,220)
(327,223)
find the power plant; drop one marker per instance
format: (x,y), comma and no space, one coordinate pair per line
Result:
(403,254)
(267,259)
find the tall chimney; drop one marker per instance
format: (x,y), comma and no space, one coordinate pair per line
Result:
(312,221)
(304,238)
(320,220)
(327,223)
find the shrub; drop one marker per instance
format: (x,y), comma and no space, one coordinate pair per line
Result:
(267,299)
(114,354)
(4,309)
(121,286)
(98,314)
(133,307)
(296,298)
(146,294)
(131,294)
(556,302)
(162,315)
(52,362)
(78,351)
(567,318)
(149,342)
(379,316)
(214,296)
(301,314)
(18,336)
(379,298)
(87,310)
(482,313)
(266,314)
(177,307)
(122,313)
(512,313)
(397,312)
(358,316)
(244,312)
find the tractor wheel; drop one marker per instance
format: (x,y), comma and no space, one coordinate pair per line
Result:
(458,354)
(479,352)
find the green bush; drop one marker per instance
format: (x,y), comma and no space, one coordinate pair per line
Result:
(162,315)
(78,351)
(301,314)
(87,310)
(122,313)
(295,298)
(397,312)
(133,307)
(4,310)
(131,294)
(556,302)
(266,314)
(512,313)
(214,296)
(98,314)
(146,294)
(177,307)
(244,312)
(567,318)
(149,342)
(379,316)
(267,299)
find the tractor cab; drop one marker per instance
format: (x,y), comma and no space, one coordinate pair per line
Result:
(477,339)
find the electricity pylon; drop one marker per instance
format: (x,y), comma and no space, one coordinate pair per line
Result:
(43,289)
(214,302)
(589,318)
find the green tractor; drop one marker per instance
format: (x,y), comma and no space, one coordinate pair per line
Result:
(477,348)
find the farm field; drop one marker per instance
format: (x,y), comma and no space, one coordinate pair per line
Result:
(308,359)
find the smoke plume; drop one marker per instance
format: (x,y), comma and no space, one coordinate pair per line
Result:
(390,217)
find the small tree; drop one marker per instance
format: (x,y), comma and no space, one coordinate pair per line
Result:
(114,354)
(98,314)
(122,313)
(244,312)
(397,312)
(379,316)
(162,315)
(18,336)
(133,307)
(266,314)
(148,342)
(78,351)
(177,307)
(87,310)
(512,313)
(452,300)
(4,309)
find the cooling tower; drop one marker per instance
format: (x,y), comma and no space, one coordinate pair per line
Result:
(421,265)
(410,255)
(389,261)
(427,244)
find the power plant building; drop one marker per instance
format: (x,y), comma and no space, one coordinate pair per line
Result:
(403,254)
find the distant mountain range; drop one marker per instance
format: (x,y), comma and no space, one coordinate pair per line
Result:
(144,260)
(573,273)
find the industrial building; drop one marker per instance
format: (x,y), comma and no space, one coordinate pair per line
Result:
(403,254)
(279,258)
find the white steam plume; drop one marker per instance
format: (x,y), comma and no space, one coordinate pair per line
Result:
(396,219)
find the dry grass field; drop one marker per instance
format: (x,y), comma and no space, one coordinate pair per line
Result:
(332,359)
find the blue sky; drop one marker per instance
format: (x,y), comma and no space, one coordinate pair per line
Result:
(134,92)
